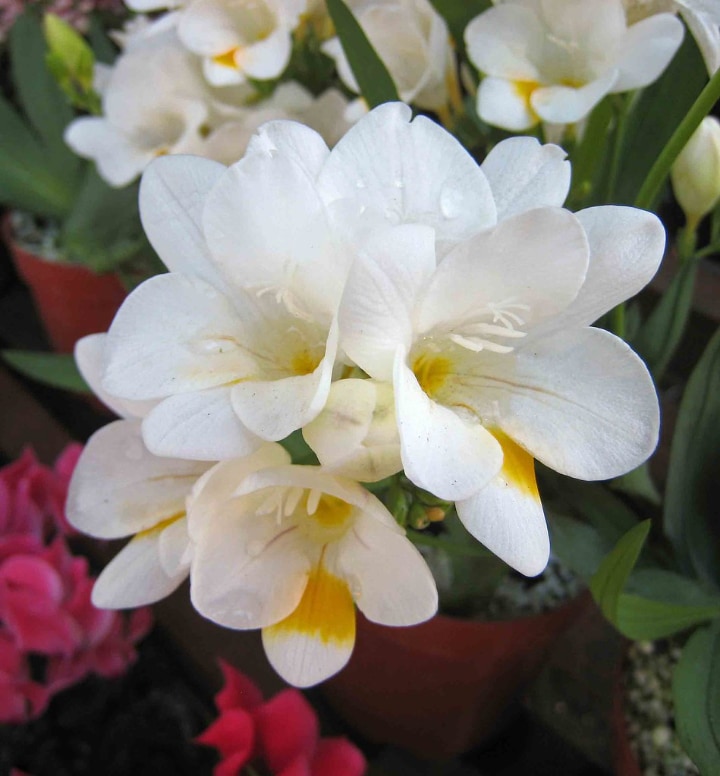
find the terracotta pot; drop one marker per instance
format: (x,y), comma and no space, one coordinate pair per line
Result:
(625,762)
(445,686)
(71,300)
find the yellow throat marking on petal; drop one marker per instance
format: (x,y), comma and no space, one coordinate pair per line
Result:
(227,59)
(524,90)
(305,362)
(518,465)
(332,512)
(325,612)
(431,372)
(161,526)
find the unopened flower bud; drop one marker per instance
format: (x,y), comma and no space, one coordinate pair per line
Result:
(418,517)
(696,173)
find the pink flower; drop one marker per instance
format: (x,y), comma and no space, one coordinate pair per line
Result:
(45,595)
(32,496)
(282,733)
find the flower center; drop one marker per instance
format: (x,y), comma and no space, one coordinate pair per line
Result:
(431,372)
(305,362)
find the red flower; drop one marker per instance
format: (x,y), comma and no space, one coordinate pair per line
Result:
(282,733)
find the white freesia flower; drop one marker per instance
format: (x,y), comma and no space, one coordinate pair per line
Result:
(701,16)
(356,433)
(238,341)
(155,102)
(240,39)
(554,60)
(413,41)
(291,549)
(120,489)
(695,174)
(235,126)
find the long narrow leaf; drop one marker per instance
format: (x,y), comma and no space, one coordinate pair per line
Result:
(57,370)
(692,493)
(661,333)
(375,82)
(41,99)
(696,696)
(609,580)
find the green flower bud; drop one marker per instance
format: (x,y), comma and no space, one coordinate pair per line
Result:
(696,173)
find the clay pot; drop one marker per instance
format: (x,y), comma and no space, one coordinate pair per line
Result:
(71,300)
(624,761)
(447,685)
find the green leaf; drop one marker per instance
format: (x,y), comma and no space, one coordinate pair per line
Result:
(103,229)
(458,14)
(71,61)
(104,49)
(696,697)
(598,506)
(609,580)
(375,82)
(661,333)
(54,369)
(655,118)
(692,492)
(42,100)
(638,482)
(26,183)
(589,155)
(578,545)
(642,618)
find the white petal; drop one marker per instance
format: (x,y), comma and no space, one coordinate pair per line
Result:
(267,229)
(273,409)
(504,41)
(316,640)
(626,248)
(356,433)
(135,576)
(119,160)
(303,145)
(524,174)
(507,515)
(391,582)
(537,259)
(172,197)
(174,548)
(247,572)
(202,426)
(218,484)
(174,334)
(376,310)
(579,401)
(567,104)
(90,357)
(450,456)
(119,487)
(506,104)
(410,172)
(705,28)
(268,58)
(207,27)
(647,48)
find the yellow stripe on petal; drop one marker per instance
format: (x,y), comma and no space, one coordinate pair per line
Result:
(317,639)
(518,467)
(161,526)
(325,612)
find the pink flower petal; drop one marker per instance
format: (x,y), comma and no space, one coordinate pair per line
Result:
(287,729)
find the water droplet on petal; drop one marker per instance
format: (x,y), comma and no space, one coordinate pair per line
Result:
(212,346)
(254,548)
(399,184)
(451,201)
(360,183)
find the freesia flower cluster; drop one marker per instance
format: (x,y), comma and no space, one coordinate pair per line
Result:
(45,596)
(407,310)
(281,735)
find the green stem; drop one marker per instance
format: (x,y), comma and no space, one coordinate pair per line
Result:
(687,240)
(661,169)
(618,144)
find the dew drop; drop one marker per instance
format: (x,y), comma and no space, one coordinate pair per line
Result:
(360,183)
(399,184)
(212,346)
(254,548)
(451,202)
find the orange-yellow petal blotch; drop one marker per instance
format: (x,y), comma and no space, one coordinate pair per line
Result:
(518,467)
(326,611)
